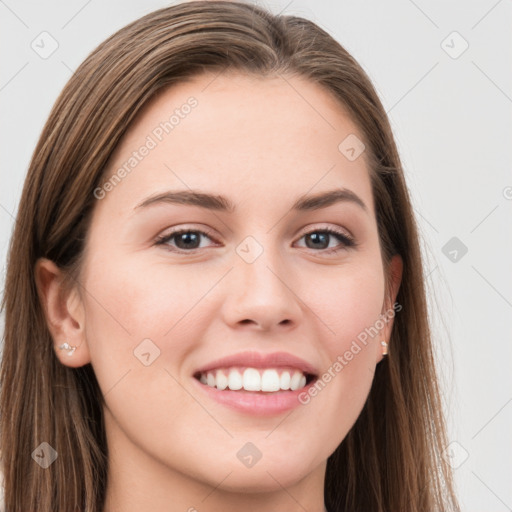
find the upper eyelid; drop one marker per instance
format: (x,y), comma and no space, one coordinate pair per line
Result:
(207,232)
(337,229)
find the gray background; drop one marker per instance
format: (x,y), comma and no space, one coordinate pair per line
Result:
(451,114)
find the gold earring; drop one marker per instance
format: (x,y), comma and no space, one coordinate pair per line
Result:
(384,348)
(68,347)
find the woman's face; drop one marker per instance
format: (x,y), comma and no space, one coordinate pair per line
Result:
(255,279)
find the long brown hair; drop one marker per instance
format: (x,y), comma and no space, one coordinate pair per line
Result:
(390,461)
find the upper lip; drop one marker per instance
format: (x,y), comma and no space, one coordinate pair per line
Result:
(253,359)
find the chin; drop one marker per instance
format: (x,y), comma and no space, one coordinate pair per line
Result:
(270,475)
(259,481)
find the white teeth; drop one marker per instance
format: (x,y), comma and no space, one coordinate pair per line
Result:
(235,380)
(253,379)
(270,381)
(295,382)
(284,381)
(222,380)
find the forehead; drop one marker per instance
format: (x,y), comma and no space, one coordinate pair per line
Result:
(250,135)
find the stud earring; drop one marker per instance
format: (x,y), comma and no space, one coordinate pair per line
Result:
(384,348)
(68,347)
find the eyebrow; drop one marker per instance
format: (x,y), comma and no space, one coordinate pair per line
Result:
(223,204)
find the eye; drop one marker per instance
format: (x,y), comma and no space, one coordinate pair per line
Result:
(321,238)
(185,239)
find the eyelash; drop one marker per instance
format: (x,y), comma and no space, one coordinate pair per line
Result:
(347,241)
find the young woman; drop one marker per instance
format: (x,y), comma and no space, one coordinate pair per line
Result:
(214,296)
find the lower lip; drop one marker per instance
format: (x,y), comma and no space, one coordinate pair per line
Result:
(256,403)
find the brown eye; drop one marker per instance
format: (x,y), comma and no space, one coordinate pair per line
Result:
(185,240)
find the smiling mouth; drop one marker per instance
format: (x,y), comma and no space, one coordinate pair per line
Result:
(255,380)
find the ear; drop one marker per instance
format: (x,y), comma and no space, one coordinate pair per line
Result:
(395,270)
(64,311)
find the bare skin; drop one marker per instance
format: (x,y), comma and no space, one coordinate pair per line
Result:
(258,143)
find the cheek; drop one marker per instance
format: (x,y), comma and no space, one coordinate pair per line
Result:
(138,299)
(140,330)
(349,308)
(133,309)
(348,302)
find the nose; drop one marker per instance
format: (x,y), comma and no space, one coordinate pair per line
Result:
(262,295)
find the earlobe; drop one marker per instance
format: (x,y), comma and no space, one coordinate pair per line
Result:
(382,351)
(64,312)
